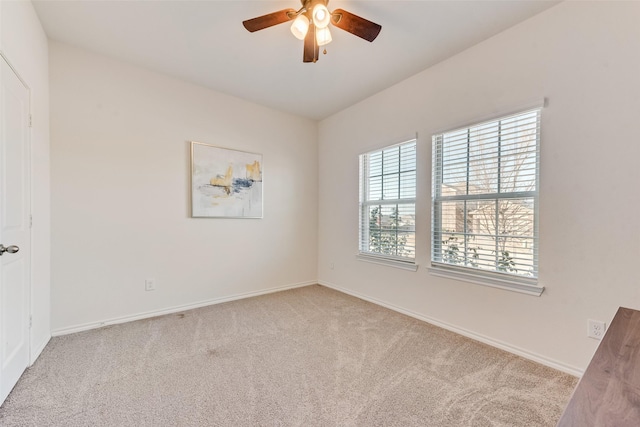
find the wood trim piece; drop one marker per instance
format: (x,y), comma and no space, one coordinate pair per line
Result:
(608,393)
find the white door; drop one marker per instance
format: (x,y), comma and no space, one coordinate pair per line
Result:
(14,229)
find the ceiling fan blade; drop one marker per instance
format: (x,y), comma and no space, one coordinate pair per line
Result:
(269,20)
(311,50)
(355,25)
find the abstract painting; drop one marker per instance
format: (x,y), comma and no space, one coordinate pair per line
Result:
(225,183)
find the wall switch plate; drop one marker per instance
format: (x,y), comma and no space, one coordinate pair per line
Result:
(596,329)
(150,284)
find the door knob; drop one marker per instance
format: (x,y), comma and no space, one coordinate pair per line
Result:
(11,249)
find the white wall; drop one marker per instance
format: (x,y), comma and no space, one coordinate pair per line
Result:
(24,43)
(120,185)
(584,57)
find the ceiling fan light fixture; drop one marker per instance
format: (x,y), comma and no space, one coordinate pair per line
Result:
(323,36)
(321,16)
(300,27)
(310,24)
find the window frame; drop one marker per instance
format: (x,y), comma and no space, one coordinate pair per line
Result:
(498,279)
(364,204)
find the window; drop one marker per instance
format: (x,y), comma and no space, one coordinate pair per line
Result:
(388,202)
(485,198)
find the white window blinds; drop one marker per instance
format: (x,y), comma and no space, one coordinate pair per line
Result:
(387,202)
(485,196)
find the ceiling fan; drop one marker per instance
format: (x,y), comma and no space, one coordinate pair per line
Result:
(311,24)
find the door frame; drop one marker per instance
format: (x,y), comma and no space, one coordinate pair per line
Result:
(29,186)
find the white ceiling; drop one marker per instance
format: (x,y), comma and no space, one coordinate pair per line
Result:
(204,42)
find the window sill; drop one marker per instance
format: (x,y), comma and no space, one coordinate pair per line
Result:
(404,265)
(525,286)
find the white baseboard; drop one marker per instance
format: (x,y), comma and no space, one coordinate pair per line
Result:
(174,309)
(464,332)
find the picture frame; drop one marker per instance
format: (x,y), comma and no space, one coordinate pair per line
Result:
(225,183)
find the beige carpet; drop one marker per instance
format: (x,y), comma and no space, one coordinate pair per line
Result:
(305,357)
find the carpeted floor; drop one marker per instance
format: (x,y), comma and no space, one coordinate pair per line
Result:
(305,357)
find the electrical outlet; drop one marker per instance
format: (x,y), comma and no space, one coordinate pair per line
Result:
(150,284)
(596,329)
